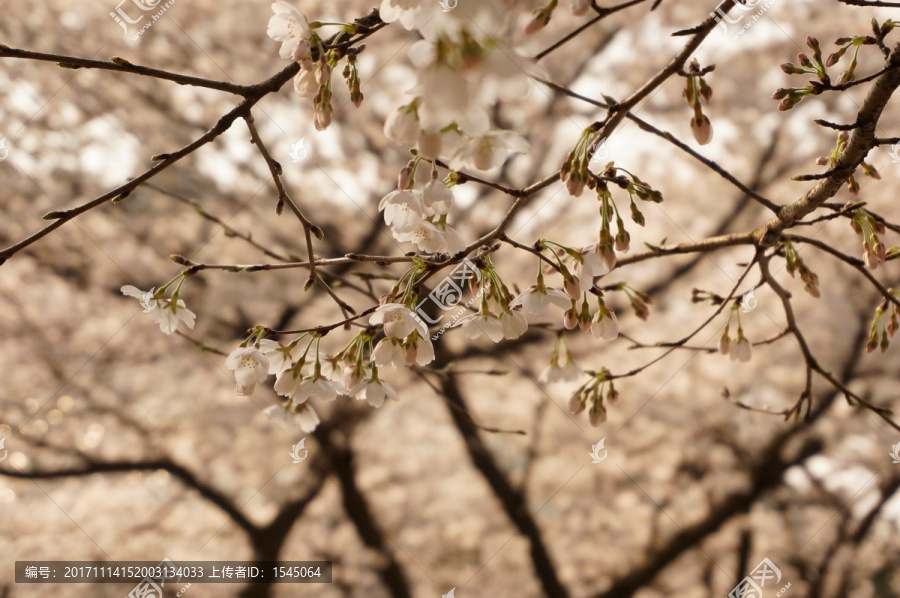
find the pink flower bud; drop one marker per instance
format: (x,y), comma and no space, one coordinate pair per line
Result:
(575,184)
(725,344)
(538,22)
(301,51)
(597,414)
(404,177)
(572,286)
(702,129)
(324,115)
(576,404)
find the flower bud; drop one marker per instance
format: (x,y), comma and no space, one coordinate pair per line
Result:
(402,125)
(597,414)
(579,8)
(571,285)
(404,177)
(537,22)
(324,115)
(725,343)
(305,82)
(575,184)
(608,257)
(301,52)
(577,403)
(323,73)
(702,129)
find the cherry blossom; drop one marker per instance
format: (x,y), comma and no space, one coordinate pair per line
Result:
(437,198)
(475,325)
(291,383)
(390,352)
(161,310)
(300,415)
(279,356)
(489,150)
(605,324)
(513,324)
(423,234)
(536,299)
(250,367)
(402,125)
(374,391)
(742,350)
(408,12)
(402,208)
(288,26)
(399,321)
(555,374)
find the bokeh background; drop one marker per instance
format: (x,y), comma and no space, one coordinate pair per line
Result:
(126,444)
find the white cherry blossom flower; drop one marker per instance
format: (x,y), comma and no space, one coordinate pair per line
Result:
(410,13)
(162,311)
(301,416)
(742,350)
(513,323)
(437,198)
(440,142)
(724,345)
(535,300)
(605,325)
(445,97)
(250,367)
(475,325)
(300,388)
(389,352)
(399,321)
(555,374)
(423,234)
(420,351)
(374,391)
(402,208)
(279,356)
(593,263)
(489,150)
(307,418)
(453,241)
(288,26)
(402,125)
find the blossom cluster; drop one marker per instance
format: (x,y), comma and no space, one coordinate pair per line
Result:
(461,71)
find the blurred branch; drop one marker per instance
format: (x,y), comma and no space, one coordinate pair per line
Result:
(513,500)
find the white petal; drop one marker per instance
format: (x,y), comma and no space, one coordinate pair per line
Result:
(375,395)
(424,351)
(132,291)
(307,418)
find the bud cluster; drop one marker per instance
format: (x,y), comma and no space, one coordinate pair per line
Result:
(887,329)
(791,96)
(795,264)
(832,159)
(874,251)
(739,350)
(592,392)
